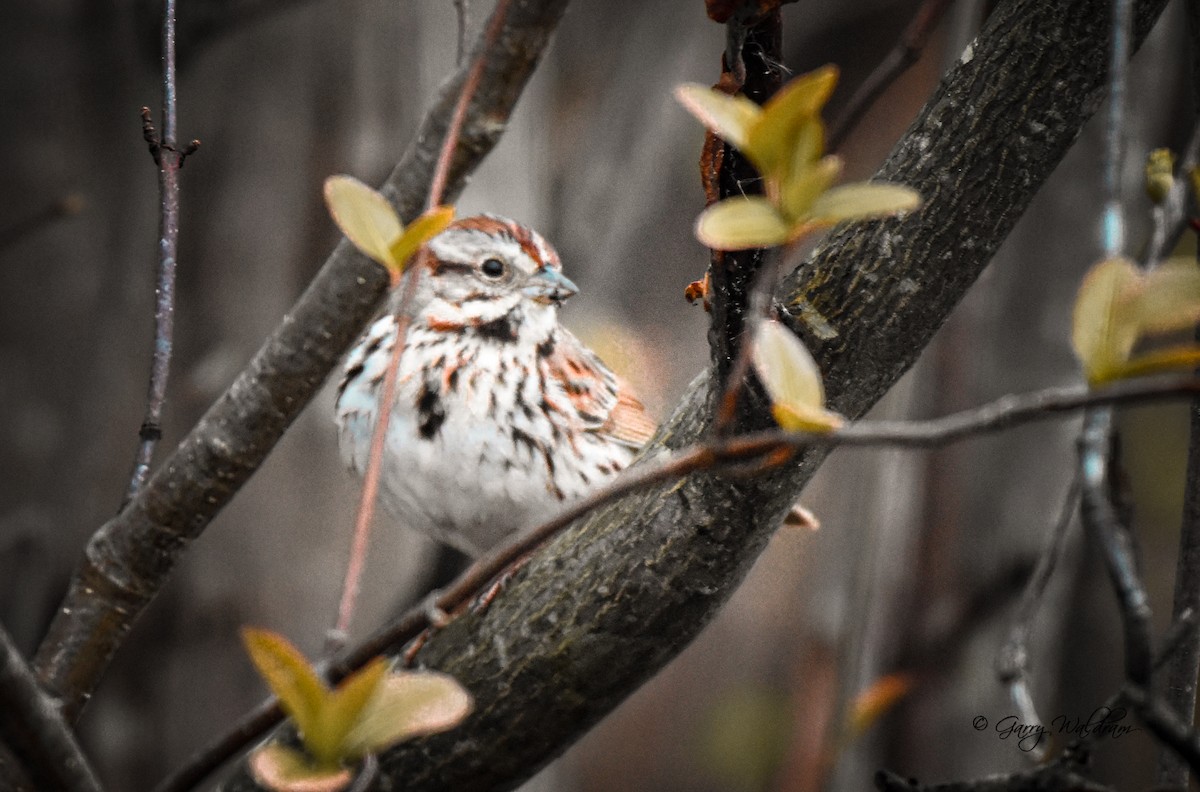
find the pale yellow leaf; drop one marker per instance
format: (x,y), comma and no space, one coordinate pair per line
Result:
(729,117)
(343,709)
(408,704)
(790,121)
(862,201)
(419,231)
(301,693)
(1160,360)
(806,186)
(792,379)
(801,418)
(282,769)
(1101,331)
(1169,299)
(741,223)
(364,216)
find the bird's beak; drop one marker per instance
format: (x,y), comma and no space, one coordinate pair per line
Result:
(549,286)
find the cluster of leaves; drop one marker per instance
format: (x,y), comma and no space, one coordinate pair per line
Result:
(372,225)
(785,140)
(369,711)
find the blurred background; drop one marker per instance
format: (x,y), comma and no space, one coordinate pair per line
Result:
(920,556)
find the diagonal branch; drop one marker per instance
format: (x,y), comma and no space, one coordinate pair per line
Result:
(129,559)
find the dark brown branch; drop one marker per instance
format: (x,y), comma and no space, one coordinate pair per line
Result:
(128,560)
(32,728)
(902,56)
(753,48)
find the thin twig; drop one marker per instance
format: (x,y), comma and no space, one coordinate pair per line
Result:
(904,54)
(1012,664)
(1114,541)
(169,158)
(1003,413)
(31,726)
(402,318)
(759,303)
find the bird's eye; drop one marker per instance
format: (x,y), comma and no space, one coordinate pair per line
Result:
(493,268)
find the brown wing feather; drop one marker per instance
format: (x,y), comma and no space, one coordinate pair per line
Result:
(629,422)
(602,402)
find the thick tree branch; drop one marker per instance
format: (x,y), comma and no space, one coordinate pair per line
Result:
(130,557)
(611,600)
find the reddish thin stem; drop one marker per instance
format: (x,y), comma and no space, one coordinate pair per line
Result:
(370,491)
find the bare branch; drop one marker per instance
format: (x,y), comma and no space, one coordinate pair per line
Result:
(1012,662)
(169,158)
(1115,542)
(31,726)
(130,557)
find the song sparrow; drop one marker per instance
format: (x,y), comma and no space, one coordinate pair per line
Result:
(501,414)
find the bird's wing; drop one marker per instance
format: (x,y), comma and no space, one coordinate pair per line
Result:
(601,400)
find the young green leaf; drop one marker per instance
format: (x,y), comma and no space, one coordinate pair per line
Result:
(863,201)
(802,189)
(301,693)
(283,769)
(1101,339)
(1169,299)
(408,704)
(364,216)
(741,223)
(789,126)
(792,379)
(729,117)
(343,709)
(1118,304)
(420,231)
